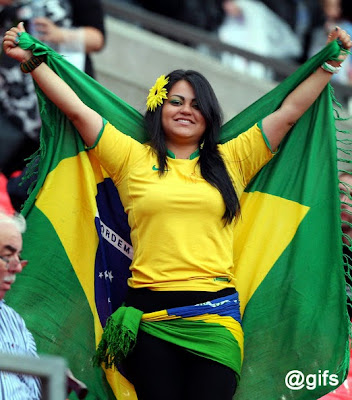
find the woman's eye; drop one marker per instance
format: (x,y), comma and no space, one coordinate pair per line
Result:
(195,105)
(175,102)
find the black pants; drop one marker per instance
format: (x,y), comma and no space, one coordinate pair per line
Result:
(161,370)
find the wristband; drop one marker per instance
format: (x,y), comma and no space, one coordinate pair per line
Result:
(31,64)
(330,68)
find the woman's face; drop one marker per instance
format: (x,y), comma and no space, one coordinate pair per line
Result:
(181,119)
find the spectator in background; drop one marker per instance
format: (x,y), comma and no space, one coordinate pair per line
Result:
(14,336)
(252,26)
(174,9)
(3,267)
(336,12)
(3,271)
(203,14)
(71,27)
(301,15)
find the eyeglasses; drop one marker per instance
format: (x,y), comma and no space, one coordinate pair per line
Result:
(9,260)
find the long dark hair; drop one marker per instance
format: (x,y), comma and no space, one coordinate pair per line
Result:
(212,166)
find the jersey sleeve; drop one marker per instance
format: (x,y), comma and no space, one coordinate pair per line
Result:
(246,154)
(117,152)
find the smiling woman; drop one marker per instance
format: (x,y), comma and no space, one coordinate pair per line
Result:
(188,125)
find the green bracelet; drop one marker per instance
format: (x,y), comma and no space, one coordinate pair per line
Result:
(31,64)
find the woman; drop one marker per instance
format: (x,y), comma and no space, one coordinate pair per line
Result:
(186,180)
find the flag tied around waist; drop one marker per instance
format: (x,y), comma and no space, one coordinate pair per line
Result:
(288,250)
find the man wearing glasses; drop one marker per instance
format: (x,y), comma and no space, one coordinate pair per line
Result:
(14,336)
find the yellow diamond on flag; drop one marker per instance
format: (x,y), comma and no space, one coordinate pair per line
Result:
(254,231)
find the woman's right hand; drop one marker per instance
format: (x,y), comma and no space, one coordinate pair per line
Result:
(10,44)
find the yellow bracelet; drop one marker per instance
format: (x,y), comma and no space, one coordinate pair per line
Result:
(31,64)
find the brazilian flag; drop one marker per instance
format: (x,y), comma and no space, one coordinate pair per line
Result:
(288,249)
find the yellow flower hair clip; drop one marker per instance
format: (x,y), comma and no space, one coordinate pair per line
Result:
(157,93)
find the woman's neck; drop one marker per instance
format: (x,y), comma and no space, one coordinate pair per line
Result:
(184,151)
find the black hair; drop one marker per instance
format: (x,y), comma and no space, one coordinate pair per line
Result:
(212,166)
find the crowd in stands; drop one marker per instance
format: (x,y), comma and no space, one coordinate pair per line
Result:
(292,30)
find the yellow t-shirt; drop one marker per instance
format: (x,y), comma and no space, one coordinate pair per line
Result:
(177,231)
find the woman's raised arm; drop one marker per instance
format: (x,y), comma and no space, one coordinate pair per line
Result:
(277,124)
(87,121)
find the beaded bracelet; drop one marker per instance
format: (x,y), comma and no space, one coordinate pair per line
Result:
(31,64)
(330,68)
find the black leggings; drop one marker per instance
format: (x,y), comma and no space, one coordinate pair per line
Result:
(161,370)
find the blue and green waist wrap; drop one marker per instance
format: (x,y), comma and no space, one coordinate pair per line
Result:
(211,330)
